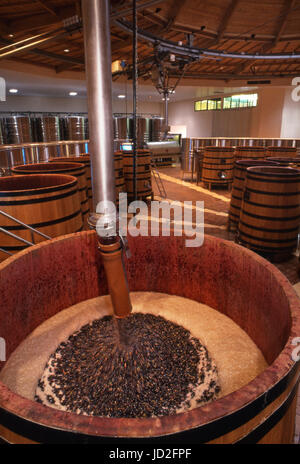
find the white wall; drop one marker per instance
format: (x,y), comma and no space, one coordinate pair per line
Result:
(71,105)
(198,123)
(44,104)
(267,116)
(274,116)
(145,107)
(290,116)
(232,123)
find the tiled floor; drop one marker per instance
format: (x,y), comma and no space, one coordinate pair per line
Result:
(216,205)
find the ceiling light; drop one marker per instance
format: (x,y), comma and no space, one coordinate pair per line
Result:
(121,96)
(13,91)
(66,50)
(11,36)
(73,94)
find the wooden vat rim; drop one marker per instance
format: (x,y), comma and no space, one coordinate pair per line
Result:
(210,418)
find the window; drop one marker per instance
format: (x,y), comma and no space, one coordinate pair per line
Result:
(207,105)
(234,101)
(240,101)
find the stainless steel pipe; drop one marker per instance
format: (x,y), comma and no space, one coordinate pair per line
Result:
(96,21)
(99,83)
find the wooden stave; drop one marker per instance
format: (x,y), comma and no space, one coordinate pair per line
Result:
(82,159)
(77,170)
(282,152)
(257,153)
(211,164)
(62,215)
(255,422)
(270,218)
(289,162)
(239,175)
(143,173)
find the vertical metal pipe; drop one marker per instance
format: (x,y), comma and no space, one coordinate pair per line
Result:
(134,84)
(96,20)
(166,95)
(166,122)
(96,23)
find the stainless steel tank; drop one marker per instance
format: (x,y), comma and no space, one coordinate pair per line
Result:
(86,126)
(10,155)
(123,128)
(18,129)
(64,128)
(50,128)
(156,129)
(1,132)
(142,131)
(187,156)
(76,128)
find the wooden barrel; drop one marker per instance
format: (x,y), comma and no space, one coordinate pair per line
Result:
(217,167)
(251,291)
(49,203)
(270,211)
(119,174)
(86,160)
(72,169)
(198,164)
(239,175)
(143,173)
(281,152)
(288,162)
(256,153)
(82,159)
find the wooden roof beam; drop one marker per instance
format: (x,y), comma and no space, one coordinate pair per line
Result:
(47,7)
(225,21)
(288,7)
(174,11)
(39,21)
(66,67)
(153,18)
(4,27)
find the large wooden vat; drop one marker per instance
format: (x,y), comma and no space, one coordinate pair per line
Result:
(82,159)
(239,175)
(119,174)
(217,166)
(143,173)
(256,153)
(47,202)
(86,160)
(270,211)
(281,152)
(72,169)
(289,162)
(234,280)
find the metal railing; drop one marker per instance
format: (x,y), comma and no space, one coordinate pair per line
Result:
(17,237)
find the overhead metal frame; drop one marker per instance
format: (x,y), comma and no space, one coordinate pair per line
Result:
(198,53)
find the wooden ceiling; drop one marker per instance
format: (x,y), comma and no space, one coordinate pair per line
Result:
(240,26)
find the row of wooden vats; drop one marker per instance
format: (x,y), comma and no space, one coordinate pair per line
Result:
(264,207)
(17,129)
(56,197)
(41,281)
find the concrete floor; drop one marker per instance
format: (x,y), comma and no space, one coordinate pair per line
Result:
(216,206)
